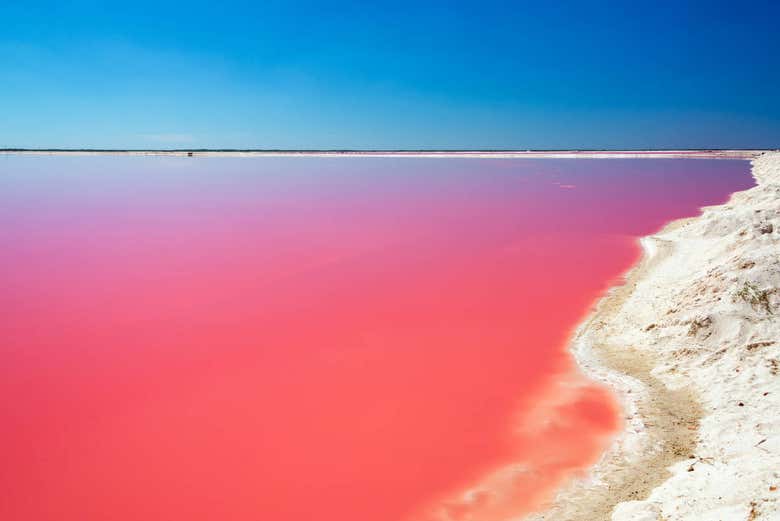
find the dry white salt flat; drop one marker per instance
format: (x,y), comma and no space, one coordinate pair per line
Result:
(691,343)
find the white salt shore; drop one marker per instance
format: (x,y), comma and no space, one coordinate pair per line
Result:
(691,343)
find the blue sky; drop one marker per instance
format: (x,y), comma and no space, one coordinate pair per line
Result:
(400,75)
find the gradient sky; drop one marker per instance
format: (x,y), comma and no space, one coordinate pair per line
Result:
(405,74)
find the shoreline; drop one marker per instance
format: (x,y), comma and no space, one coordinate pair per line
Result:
(478,154)
(670,342)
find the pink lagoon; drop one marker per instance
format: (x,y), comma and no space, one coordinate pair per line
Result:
(301,338)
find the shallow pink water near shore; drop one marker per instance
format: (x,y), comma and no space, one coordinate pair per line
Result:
(297,339)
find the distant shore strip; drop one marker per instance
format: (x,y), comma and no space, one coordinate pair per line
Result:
(480,154)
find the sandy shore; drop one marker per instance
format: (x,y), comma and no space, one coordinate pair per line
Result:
(691,343)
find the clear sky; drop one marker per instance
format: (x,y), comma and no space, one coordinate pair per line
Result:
(357,74)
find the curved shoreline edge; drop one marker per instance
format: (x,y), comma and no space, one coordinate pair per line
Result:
(690,343)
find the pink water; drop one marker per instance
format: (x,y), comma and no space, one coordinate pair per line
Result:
(297,339)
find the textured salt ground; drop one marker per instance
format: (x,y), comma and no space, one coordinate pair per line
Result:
(691,343)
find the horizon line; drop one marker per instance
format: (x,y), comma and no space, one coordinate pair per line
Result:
(387,150)
(746,154)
